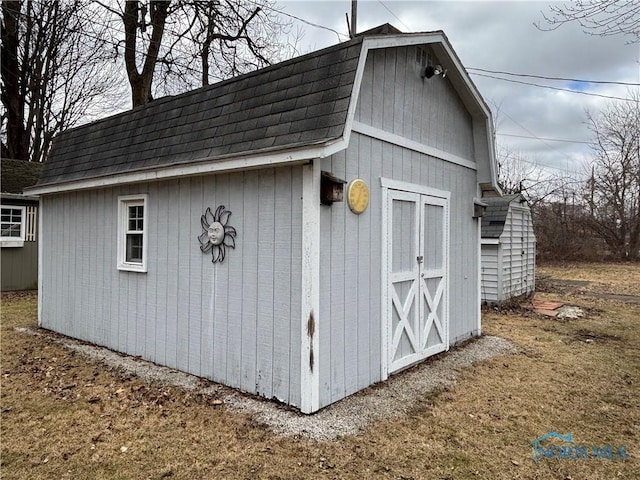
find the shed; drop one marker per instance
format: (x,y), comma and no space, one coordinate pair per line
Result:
(18,225)
(508,249)
(211,231)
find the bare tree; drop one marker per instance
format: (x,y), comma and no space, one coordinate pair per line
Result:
(15,143)
(172,46)
(53,72)
(561,230)
(598,17)
(612,192)
(517,174)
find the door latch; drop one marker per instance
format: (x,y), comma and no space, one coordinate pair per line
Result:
(420,258)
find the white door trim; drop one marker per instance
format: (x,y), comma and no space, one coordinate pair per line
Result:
(409,191)
(389,183)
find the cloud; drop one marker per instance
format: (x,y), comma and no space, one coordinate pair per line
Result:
(502,36)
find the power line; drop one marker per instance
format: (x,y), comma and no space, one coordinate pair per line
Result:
(555,88)
(544,138)
(542,165)
(396,17)
(554,78)
(535,136)
(307,22)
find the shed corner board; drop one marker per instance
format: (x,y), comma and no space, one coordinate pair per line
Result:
(309,331)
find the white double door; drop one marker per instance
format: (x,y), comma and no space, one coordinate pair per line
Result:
(417,236)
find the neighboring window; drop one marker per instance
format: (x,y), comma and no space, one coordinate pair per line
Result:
(132,238)
(12,226)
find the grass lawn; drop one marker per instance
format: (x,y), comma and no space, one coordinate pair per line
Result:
(64,416)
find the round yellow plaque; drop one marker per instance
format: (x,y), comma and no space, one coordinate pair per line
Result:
(358,196)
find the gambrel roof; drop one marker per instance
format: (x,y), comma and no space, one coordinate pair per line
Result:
(495,216)
(293,111)
(295,103)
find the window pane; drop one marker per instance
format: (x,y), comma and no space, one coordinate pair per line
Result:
(134,248)
(136,215)
(11,225)
(10,230)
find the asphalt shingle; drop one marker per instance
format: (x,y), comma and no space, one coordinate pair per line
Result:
(495,216)
(297,102)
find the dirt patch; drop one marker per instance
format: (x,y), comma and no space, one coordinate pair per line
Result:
(614,278)
(586,288)
(591,337)
(613,296)
(549,284)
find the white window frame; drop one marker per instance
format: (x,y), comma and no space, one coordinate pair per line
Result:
(15,241)
(124,202)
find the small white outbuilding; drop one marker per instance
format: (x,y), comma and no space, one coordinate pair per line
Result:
(508,249)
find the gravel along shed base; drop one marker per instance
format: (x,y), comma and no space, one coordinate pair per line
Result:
(396,396)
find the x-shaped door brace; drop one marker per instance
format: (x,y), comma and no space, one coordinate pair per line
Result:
(403,310)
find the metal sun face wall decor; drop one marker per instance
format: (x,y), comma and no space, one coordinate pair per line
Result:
(217,234)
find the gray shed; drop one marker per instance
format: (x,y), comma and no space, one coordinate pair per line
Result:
(508,249)
(209,231)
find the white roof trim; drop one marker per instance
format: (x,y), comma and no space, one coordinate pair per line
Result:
(19,196)
(409,144)
(253,160)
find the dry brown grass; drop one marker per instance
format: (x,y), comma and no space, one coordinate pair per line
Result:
(66,417)
(621,278)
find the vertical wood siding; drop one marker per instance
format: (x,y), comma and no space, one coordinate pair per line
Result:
(518,252)
(491,265)
(19,267)
(235,322)
(394,98)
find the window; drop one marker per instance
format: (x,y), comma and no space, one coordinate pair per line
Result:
(12,226)
(132,238)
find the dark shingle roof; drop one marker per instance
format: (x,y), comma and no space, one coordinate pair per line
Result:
(299,102)
(495,215)
(16,175)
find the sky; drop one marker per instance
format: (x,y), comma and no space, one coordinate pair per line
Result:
(501,36)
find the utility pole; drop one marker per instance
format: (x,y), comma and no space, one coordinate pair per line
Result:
(354,18)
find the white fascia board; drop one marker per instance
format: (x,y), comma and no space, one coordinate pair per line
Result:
(202,167)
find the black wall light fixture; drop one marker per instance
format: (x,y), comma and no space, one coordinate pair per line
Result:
(431,70)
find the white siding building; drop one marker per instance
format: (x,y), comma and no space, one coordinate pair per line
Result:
(508,249)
